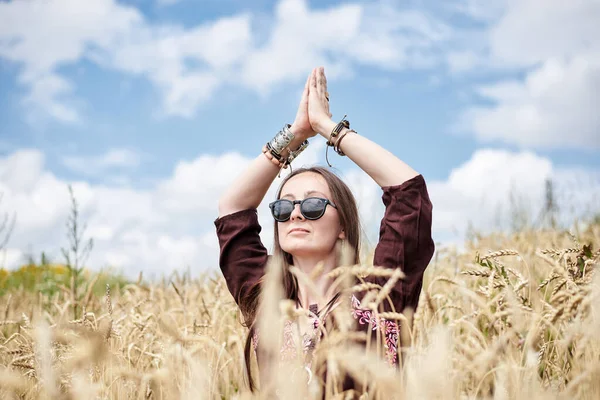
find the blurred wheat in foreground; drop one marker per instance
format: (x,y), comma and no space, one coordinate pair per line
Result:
(510,318)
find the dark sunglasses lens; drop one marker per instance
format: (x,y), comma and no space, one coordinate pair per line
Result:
(282,209)
(313,208)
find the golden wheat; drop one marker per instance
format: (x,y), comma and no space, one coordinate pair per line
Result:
(487,327)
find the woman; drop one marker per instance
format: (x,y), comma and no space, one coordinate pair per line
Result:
(314,212)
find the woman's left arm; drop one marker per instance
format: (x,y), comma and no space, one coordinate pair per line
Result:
(385,168)
(405,239)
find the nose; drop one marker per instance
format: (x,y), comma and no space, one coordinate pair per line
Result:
(296,214)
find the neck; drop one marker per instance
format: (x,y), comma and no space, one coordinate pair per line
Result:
(322,282)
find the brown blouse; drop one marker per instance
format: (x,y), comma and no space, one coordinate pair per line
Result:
(405,242)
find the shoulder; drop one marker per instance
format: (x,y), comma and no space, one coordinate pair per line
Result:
(415,183)
(238,221)
(413,191)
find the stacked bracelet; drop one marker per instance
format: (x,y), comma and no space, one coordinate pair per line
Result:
(332,142)
(272,158)
(281,141)
(337,144)
(344,123)
(273,149)
(295,153)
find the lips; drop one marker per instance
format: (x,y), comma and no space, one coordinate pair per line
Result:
(298,230)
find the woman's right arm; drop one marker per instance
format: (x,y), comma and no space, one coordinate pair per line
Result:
(249,189)
(242,255)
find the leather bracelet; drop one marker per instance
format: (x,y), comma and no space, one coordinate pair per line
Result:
(270,157)
(336,147)
(277,158)
(344,123)
(273,152)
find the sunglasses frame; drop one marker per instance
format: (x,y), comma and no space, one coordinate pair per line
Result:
(294,202)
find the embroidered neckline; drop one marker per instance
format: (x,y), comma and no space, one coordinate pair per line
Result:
(364,317)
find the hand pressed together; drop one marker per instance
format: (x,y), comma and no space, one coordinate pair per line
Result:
(318,100)
(313,111)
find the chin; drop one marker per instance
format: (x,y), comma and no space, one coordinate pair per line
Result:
(297,249)
(302,249)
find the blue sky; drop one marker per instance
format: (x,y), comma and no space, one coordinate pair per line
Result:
(150,108)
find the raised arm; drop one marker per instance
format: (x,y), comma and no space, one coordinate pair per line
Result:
(385,168)
(249,189)
(405,239)
(242,255)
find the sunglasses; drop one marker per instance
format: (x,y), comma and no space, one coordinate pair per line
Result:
(311,208)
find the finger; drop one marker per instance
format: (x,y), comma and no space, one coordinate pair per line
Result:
(320,81)
(306,88)
(313,78)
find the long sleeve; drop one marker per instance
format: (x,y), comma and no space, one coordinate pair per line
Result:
(405,240)
(243,257)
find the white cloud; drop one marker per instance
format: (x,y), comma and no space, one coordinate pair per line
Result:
(533,31)
(377,35)
(32,192)
(554,43)
(117,158)
(194,184)
(463,60)
(498,190)
(556,106)
(188,65)
(550,41)
(132,229)
(50,93)
(42,36)
(170,226)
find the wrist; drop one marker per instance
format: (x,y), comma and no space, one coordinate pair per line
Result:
(324,128)
(299,137)
(296,130)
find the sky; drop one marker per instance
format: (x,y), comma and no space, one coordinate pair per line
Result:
(149,109)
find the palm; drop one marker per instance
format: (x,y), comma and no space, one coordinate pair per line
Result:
(318,107)
(302,122)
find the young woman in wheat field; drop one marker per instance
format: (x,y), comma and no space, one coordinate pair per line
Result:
(314,213)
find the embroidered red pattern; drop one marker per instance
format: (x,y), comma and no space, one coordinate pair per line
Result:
(364,317)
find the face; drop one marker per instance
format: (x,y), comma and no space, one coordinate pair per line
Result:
(302,237)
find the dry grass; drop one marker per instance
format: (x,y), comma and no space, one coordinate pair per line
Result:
(511,318)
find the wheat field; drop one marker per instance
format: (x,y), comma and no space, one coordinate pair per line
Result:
(510,317)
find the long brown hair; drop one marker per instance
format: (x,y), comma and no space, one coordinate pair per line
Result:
(342,197)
